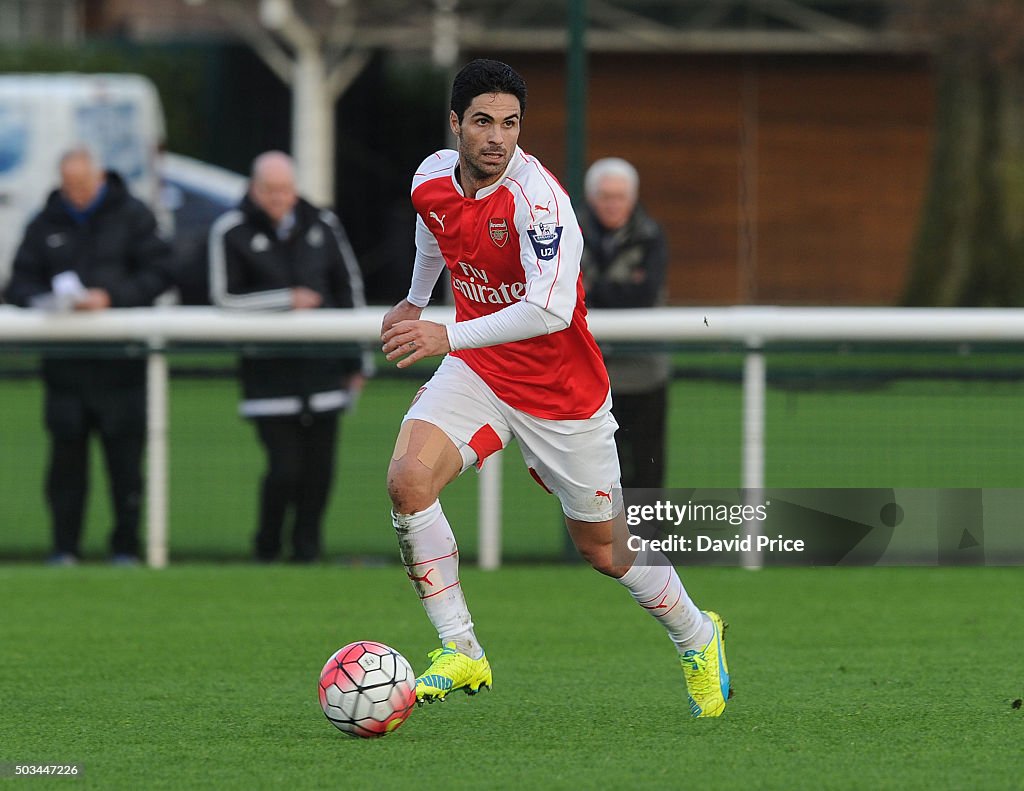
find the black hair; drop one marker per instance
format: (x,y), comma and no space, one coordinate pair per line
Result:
(486,76)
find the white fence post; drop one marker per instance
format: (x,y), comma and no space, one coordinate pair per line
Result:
(754,386)
(156,456)
(489,512)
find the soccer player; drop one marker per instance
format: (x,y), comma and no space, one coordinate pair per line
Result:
(519,361)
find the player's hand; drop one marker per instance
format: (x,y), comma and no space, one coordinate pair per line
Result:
(93,299)
(414,340)
(305,298)
(403,311)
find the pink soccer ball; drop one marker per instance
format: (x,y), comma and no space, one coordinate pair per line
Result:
(367,689)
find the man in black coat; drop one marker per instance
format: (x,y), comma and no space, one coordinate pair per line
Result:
(276,251)
(92,247)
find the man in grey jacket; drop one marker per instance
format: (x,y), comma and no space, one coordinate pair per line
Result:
(624,263)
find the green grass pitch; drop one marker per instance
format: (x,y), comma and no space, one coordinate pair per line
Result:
(204,676)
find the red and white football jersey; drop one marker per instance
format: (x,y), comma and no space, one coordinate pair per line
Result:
(518,239)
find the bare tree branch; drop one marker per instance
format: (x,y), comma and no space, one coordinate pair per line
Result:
(249,30)
(345,72)
(280,16)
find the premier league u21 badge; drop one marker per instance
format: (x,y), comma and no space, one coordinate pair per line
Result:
(545,237)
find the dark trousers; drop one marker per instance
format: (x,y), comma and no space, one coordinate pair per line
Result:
(118,415)
(300,471)
(640,440)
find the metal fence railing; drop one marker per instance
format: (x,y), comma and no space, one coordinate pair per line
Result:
(751,333)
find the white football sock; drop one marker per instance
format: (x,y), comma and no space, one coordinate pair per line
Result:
(431,558)
(656,586)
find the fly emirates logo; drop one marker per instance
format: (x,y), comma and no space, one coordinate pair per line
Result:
(474,285)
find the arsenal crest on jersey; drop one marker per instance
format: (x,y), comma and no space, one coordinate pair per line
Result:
(498,226)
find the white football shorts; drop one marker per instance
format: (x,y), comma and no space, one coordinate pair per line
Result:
(575,460)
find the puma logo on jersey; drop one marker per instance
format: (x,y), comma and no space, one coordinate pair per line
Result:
(545,207)
(440,220)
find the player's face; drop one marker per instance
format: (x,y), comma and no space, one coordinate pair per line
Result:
(613,202)
(487,135)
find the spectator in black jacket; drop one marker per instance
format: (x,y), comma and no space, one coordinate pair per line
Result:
(624,262)
(276,251)
(92,247)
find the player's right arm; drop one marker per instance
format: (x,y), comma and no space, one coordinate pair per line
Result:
(430,338)
(403,311)
(426,270)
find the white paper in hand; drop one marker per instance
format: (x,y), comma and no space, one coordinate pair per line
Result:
(67,290)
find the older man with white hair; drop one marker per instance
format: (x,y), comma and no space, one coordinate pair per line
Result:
(624,266)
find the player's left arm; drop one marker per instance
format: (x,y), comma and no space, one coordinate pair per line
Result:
(419,339)
(551,246)
(547,307)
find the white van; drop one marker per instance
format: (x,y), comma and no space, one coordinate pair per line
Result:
(118,116)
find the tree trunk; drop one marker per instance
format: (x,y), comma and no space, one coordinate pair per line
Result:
(970,244)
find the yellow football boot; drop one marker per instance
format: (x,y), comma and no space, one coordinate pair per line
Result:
(707,673)
(450,670)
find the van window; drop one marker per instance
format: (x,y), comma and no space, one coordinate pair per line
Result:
(113,131)
(14,128)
